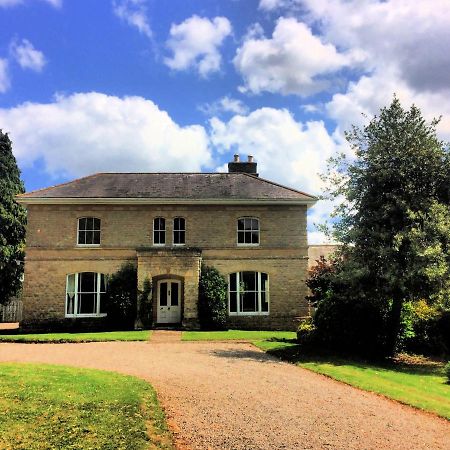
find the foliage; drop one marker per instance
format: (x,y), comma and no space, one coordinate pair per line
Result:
(122,297)
(319,280)
(56,407)
(447,371)
(146,303)
(306,331)
(212,303)
(99,336)
(394,220)
(12,223)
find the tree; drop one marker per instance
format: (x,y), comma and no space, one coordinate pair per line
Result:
(393,222)
(12,222)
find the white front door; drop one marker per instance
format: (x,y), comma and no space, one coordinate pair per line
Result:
(169,301)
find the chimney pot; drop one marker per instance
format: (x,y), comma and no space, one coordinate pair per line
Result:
(250,158)
(236,157)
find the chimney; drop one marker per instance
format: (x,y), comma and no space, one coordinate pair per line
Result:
(238,166)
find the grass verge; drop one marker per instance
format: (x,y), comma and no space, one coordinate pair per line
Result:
(235,335)
(143,335)
(422,385)
(44,406)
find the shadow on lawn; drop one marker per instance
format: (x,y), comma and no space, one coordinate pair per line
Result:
(410,364)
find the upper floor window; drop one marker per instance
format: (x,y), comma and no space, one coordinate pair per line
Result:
(85,294)
(248,231)
(88,231)
(248,293)
(179,231)
(159,231)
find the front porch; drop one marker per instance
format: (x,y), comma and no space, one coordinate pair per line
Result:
(174,275)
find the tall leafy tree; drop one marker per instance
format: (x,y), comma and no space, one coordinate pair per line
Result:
(394,219)
(12,222)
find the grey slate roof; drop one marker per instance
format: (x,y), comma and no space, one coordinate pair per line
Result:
(192,186)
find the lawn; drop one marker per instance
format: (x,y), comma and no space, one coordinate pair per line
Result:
(54,407)
(236,335)
(143,335)
(420,385)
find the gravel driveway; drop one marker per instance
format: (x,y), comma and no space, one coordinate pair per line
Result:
(232,396)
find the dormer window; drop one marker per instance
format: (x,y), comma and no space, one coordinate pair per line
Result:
(159,231)
(248,231)
(89,231)
(179,231)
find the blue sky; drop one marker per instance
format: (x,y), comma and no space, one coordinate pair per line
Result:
(181,85)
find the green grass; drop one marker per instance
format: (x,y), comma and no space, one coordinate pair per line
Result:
(56,407)
(422,386)
(143,335)
(236,335)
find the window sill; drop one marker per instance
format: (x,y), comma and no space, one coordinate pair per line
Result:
(248,245)
(88,245)
(84,316)
(179,245)
(234,314)
(159,245)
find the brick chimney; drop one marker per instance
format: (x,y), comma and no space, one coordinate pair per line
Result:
(238,166)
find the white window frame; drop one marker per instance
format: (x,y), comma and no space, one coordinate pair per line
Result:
(75,292)
(174,230)
(159,230)
(238,306)
(243,244)
(78,231)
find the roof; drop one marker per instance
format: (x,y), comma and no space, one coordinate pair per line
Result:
(167,187)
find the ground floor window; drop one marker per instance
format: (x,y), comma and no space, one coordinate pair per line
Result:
(85,294)
(248,293)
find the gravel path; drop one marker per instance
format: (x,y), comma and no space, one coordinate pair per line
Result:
(232,396)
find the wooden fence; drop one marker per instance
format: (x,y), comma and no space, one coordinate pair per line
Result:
(11,312)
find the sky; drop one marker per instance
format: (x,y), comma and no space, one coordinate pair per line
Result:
(181,85)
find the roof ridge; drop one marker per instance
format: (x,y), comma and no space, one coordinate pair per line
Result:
(256,177)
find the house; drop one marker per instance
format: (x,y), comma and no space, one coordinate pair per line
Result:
(167,224)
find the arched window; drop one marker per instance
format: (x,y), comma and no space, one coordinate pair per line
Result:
(88,231)
(248,231)
(248,293)
(85,294)
(179,231)
(159,231)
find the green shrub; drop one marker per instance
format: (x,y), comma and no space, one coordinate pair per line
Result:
(122,297)
(447,371)
(146,312)
(212,302)
(320,279)
(306,331)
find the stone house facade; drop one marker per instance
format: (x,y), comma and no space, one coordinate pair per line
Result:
(167,224)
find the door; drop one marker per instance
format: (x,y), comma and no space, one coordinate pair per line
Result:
(169,301)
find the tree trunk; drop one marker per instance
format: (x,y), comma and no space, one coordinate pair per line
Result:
(394,323)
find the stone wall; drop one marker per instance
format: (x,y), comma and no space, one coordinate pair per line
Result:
(55,226)
(52,253)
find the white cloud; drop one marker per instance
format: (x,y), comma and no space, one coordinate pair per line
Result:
(289,152)
(293,61)
(365,97)
(4,76)
(195,44)
(134,13)
(272,5)
(410,37)
(27,56)
(10,3)
(225,104)
(90,132)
